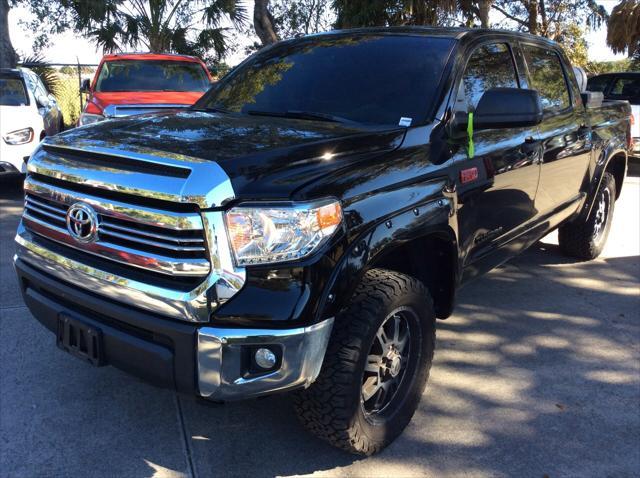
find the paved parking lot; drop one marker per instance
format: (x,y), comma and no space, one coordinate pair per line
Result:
(537,374)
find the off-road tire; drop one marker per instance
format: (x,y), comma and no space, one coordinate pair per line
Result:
(578,238)
(332,408)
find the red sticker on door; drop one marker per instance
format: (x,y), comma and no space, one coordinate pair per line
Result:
(468,175)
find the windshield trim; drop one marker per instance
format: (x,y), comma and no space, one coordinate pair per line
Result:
(428,117)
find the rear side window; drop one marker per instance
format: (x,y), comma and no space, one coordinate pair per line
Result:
(490,66)
(547,77)
(598,83)
(626,89)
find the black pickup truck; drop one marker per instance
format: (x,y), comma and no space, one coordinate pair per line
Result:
(303,225)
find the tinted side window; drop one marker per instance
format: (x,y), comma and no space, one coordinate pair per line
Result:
(598,83)
(490,66)
(547,77)
(626,89)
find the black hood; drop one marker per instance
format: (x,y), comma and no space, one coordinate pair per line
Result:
(265,157)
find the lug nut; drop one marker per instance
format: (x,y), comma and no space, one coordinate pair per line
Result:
(265,358)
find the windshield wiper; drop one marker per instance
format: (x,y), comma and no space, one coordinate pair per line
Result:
(308,115)
(212,109)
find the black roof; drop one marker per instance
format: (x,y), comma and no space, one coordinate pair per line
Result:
(457,33)
(10,73)
(620,74)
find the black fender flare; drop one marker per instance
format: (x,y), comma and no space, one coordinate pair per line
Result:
(602,163)
(431,218)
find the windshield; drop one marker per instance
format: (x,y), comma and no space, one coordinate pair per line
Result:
(12,92)
(147,75)
(375,79)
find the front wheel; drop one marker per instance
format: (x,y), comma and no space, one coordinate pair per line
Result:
(376,365)
(585,239)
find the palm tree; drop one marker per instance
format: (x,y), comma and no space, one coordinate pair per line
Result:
(180,26)
(47,73)
(623,28)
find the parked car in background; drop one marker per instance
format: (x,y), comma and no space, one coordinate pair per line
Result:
(134,83)
(28,113)
(622,86)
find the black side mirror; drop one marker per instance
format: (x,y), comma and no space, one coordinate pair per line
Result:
(85,86)
(507,108)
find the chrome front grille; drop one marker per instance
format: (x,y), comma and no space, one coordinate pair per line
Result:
(160,241)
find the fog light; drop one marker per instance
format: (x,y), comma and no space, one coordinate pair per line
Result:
(265,358)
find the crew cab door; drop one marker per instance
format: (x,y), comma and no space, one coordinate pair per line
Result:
(565,131)
(497,174)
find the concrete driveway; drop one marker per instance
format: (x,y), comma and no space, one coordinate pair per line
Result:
(537,374)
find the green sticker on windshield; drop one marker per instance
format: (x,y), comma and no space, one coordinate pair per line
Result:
(470,149)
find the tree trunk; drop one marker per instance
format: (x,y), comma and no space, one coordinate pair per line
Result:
(263,23)
(545,24)
(484,6)
(8,57)
(533,16)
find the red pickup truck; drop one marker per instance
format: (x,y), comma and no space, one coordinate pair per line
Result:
(134,83)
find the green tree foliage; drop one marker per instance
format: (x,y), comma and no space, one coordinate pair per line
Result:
(181,26)
(551,18)
(575,45)
(365,13)
(564,21)
(356,13)
(302,17)
(600,67)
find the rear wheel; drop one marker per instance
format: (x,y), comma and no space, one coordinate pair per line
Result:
(376,366)
(586,239)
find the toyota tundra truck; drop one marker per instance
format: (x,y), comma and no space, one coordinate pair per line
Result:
(302,226)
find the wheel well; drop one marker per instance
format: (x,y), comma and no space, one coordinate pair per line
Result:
(616,166)
(430,259)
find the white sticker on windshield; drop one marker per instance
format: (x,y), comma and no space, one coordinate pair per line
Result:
(405,121)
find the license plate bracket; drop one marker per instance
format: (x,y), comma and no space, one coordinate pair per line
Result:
(80,340)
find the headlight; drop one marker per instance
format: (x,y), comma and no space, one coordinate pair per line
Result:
(270,234)
(20,136)
(88,118)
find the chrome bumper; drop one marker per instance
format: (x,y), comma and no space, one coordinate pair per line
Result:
(221,352)
(193,306)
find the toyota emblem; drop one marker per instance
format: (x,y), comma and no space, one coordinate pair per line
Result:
(82,222)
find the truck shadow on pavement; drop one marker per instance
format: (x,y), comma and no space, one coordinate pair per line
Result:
(538,372)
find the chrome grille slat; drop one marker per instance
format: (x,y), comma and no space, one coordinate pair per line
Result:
(117,209)
(58,217)
(171,251)
(117,253)
(103,232)
(109,225)
(39,203)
